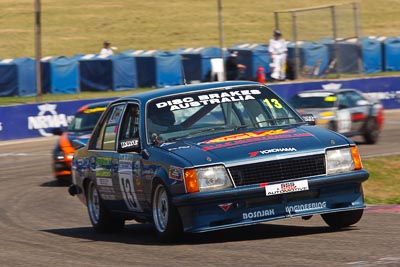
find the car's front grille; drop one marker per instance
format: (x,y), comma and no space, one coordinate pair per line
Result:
(278,170)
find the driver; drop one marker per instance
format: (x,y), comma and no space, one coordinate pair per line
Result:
(159,120)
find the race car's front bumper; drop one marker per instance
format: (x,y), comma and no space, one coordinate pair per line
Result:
(206,211)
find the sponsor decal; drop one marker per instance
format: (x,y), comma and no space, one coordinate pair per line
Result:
(178,148)
(258,214)
(306,207)
(272,150)
(129,143)
(283,188)
(208,99)
(102,167)
(225,207)
(286,134)
(127,185)
(94,110)
(175,173)
(48,118)
(247,135)
(332,86)
(104,181)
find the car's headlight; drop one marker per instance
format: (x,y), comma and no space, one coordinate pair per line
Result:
(207,179)
(342,160)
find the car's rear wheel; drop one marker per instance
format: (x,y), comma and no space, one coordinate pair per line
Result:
(102,220)
(371,133)
(342,219)
(166,218)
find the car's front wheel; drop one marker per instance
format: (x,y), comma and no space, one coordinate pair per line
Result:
(342,219)
(166,218)
(102,220)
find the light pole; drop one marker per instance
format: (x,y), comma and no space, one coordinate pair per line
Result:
(38,54)
(221,36)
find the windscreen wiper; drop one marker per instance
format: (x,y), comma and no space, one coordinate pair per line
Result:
(200,131)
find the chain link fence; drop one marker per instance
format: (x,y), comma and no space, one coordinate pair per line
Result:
(335,27)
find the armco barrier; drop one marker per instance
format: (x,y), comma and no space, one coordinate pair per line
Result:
(34,120)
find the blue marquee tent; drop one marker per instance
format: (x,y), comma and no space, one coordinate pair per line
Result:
(95,73)
(316,59)
(197,62)
(102,73)
(17,77)
(157,68)
(347,54)
(371,49)
(252,56)
(391,48)
(124,72)
(60,75)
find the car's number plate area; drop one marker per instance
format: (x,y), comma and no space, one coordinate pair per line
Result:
(288,187)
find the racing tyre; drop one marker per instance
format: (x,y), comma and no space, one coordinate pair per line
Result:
(342,219)
(371,131)
(102,220)
(166,218)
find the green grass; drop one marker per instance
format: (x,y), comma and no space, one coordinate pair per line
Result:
(71,27)
(383,183)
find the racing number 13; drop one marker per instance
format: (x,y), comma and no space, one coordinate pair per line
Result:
(128,192)
(272,103)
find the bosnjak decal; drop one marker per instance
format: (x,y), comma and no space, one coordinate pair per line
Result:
(258,214)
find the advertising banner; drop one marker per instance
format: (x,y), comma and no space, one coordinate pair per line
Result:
(386,89)
(35,120)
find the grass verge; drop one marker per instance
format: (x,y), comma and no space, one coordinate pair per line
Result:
(382,186)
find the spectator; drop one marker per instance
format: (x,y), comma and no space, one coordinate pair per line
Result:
(278,53)
(107,50)
(233,68)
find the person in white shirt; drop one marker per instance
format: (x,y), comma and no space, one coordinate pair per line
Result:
(107,49)
(278,53)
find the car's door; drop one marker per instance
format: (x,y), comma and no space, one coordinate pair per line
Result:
(357,112)
(102,149)
(343,115)
(129,161)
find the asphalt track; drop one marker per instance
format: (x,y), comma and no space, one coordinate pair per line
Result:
(41,225)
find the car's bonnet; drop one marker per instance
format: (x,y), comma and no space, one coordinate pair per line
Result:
(231,148)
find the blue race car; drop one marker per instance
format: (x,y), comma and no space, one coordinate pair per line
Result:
(212,156)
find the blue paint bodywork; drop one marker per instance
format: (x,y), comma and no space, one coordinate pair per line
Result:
(270,155)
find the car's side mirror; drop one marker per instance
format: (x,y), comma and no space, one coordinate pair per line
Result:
(309,118)
(129,145)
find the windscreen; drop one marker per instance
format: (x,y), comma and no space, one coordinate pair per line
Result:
(313,100)
(203,112)
(85,120)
